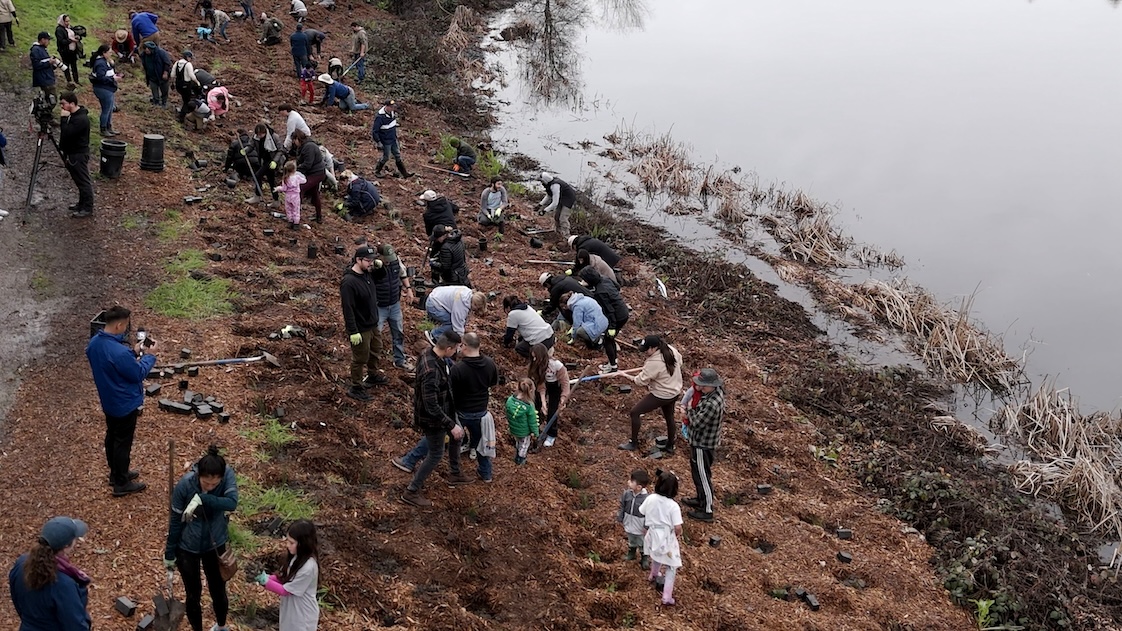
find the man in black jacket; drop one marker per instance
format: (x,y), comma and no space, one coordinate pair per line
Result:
(434,414)
(241,156)
(594,246)
(74,143)
(447,257)
(558,287)
(270,150)
(606,292)
(356,293)
(439,210)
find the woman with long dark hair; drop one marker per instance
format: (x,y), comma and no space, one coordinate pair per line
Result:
(68,44)
(198,531)
(50,593)
(298,580)
(551,379)
(662,375)
(104,82)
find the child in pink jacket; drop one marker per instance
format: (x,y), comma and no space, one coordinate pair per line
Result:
(290,186)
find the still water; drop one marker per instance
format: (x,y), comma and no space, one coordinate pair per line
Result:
(980,139)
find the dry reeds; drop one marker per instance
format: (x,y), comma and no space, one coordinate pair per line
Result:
(664,166)
(946,340)
(1074,457)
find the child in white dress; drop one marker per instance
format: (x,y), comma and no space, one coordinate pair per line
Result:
(663,520)
(298,581)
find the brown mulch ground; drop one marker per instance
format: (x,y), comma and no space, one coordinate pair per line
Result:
(538,548)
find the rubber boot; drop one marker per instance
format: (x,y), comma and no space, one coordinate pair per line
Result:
(645,562)
(630,553)
(668,589)
(402,170)
(655,567)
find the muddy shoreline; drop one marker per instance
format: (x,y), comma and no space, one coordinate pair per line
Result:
(497,562)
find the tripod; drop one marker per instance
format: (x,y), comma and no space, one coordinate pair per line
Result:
(44,132)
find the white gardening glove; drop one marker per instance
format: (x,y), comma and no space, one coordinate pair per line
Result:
(192,506)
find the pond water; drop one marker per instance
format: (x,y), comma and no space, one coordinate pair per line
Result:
(977,138)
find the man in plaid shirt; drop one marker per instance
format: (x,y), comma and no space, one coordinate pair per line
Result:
(704,436)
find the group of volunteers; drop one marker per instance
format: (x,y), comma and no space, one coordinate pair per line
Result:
(452,377)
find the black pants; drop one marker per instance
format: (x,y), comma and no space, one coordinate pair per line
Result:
(523,347)
(701,468)
(189,566)
(78,166)
(6,35)
(185,96)
(610,348)
(265,174)
(70,65)
(119,433)
(552,402)
(650,403)
(159,91)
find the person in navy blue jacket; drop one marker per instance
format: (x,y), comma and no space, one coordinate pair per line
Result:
(48,592)
(384,134)
(104,82)
(119,377)
(198,532)
(301,48)
(43,68)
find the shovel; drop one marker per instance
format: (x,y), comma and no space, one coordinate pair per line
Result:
(617,373)
(544,431)
(268,357)
(169,611)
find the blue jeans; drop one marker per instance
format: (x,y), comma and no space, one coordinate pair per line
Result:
(392,314)
(442,318)
(360,68)
(471,422)
(106,98)
(465,162)
(434,445)
(222,31)
(349,103)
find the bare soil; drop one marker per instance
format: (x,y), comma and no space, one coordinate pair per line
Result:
(538,548)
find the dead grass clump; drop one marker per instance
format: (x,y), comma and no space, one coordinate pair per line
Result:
(1073,457)
(811,237)
(663,166)
(946,339)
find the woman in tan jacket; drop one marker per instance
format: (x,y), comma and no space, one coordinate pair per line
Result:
(662,375)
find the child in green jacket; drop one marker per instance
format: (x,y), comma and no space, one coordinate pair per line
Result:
(522,419)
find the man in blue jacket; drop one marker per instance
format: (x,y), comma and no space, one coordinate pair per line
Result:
(43,68)
(298,42)
(119,377)
(144,27)
(384,134)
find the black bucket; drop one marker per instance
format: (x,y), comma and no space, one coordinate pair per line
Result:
(152,156)
(112,157)
(422,297)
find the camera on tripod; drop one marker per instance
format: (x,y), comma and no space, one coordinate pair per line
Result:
(42,111)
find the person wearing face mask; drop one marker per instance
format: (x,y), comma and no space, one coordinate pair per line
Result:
(119,377)
(198,533)
(48,592)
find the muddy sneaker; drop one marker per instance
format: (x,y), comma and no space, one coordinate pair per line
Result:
(458,479)
(356,392)
(415,498)
(549,440)
(407,365)
(700,515)
(79,214)
(428,336)
(400,464)
(3,213)
(608,368)
(129,489)
(628,446)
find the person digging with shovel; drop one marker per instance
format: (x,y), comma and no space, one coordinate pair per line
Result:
(662,375)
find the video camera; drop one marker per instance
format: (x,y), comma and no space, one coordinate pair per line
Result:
(42,111)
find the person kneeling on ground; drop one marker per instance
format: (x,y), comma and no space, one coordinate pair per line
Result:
(465,156)
(339,91)
(218,99)
(362,196)
(241,156)
(527,324)
(447,257)
(270,31)
(198,115)
(589,322)
(492,203)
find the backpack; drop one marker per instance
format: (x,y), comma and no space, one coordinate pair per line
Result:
(181,83)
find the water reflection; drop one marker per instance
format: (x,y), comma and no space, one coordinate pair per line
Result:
(546,33)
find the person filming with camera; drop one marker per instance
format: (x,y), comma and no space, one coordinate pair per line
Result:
(74,145)
(43,68)
(119,376)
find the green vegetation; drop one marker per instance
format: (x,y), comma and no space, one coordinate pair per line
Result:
(426,325)
(40,282)
(190,298)
(517,189)
(593,556)
(272,433)
(132,222)
(489,166)
(286,503)
(173,227)
(243,541)
(186,261)
(41,15)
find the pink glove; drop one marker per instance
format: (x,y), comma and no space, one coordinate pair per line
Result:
(275,586)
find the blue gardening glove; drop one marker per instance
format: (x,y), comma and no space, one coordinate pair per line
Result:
(356,339)
(192,506)
(685,432)
(262,578)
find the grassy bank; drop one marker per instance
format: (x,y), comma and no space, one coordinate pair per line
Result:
(42,15)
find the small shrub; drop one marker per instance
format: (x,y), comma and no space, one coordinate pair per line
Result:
(489,166)
(290,504)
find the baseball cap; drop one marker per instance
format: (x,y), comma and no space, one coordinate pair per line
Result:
(60,532)
(43,35)
(365,252)
(428,195)
(544,278)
